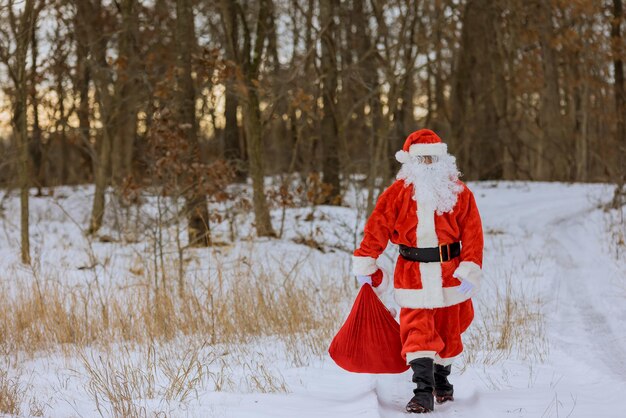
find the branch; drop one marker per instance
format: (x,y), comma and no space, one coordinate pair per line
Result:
(246,38)
(261,34)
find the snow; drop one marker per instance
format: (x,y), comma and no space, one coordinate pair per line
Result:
(550,247)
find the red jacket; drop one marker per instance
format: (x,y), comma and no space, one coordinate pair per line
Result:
(397,217)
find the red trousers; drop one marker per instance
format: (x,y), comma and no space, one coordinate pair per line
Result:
(435,333)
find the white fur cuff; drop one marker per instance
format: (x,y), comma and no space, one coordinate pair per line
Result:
(444,361)
(419,299)
(363,266)
(438,148)
(419,354)
(470,271)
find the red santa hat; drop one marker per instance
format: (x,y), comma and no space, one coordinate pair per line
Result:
(422,142)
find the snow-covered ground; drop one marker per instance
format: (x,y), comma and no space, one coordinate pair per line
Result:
(549,338)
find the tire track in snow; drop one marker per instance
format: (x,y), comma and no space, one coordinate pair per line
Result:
(565,225)
(577,253)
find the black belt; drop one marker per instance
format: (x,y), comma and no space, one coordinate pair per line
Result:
(444,252)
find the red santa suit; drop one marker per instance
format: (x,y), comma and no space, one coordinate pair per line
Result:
(434,311)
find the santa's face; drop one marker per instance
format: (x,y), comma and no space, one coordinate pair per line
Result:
(434,179)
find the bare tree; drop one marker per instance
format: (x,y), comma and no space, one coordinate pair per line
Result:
(329,132)
(479,95)
(620,100)
(232,149)
(249,59)
(550,115)
(90,14)
(81,81)
(397,64)
(21,27)
(58,67)
(35,146)
(195,198)
(128,84)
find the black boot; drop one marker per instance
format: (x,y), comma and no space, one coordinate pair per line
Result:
(423,376)
(443,389)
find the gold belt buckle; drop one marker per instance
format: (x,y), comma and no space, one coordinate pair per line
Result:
(441,260)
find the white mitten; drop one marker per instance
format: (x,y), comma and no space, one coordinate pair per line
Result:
(465,287)
(469,273)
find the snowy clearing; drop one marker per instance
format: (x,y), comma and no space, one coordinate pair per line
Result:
(83,335)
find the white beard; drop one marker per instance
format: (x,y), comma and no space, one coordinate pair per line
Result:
(436,184)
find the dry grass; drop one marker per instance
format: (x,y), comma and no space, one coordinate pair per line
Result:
(11,394)
(510,326)
(144,342)
(615,245)
(47,316)
(120,384)
(36,408)
(217,318)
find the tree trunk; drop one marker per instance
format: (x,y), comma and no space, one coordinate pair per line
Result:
(86,12)
(249,59)
(550,118)
(479,94)
(35,147)
(81,85)
(127,86)
(66,163)
(103,160)
(461,95)
(329,132)
(100,180)
(196,202)
(252,124)
(442,120)
(371,90)
(23,39)
(232,148)
(620,96)
(580,114)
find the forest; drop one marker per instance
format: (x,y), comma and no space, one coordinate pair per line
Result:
(129,94)
(183,183)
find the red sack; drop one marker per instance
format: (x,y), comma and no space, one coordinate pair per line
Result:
(369,341)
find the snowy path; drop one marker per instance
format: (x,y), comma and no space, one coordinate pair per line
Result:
(586,310)
(585,372)
(589,302)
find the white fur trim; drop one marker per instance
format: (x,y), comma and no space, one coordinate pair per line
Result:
(426,234)
(419,354)
(426,238)
(363,266)
(432,283)
(384,285)
(470,271)
(438,148)
(419,298)
(444,361)
(403,157)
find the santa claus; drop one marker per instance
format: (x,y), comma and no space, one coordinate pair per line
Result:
(432,216)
